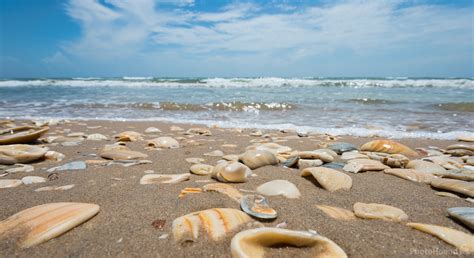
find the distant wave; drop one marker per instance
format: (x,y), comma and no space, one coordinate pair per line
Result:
(463,106)
(369,101)
(241,82)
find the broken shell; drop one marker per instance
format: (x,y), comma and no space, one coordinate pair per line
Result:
(20,153)
(379,211)
(459,239)
(9,183)
(57,188)
(272,147)
(461,174)
(258,158)
(324,156)
(337,213)
(201,169)
(447,194)
(257,206)
(21,134)
(307,163)
(463,214)
(227,171)
(119,152)
(20,168)
(189,190)
(362,165)
(454,185)
(252,242)
(353,155)
(41,223)
(342,147)
(164,179)
(231,157)
(54,155)
(279,187)
(224,189)
(411,174)
(445,161)
(163,142)
(330,179)
(128,136)
(388,146)
(391,160)
(216,222)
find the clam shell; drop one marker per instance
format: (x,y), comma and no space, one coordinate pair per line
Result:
(330,179)
(20,153)
(324,156)
(228,171)
(119,152)
(362,165)
(307,163)
(379,211)
(458,186)
(152,130)
(425,166)
(336,212)
(463,214)
(216,222)
(164,179)
(224,189)
(388,146)
(258,158)
(410,174)
(41,223)
(257,206)
(21,134)
(201,169)
(128,136)
(279,187)
(10,183)
(252,242)
(462,241)
(342,147)
(163,142)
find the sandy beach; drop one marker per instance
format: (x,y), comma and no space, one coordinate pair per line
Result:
(124,226)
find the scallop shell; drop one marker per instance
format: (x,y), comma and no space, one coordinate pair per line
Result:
(463,214)
(410,174)
(337,213)
(330,179)
(119,152)
(388,146)
(216,222)
(224,189)
(163,142)
(279,187)
(164,179)
(251,243)
(231,172)
(258,158)
(462,241)
(41,223)
(20,153)
(128,136)
(379,211)
(201,169)
(257,206)
(362,165)
(10,183)
(458,186)
(21,134)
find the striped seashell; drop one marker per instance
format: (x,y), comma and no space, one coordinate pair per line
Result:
(458,186)
(379,211)
(410,174)
(336,212)
(41,223)
(20,153)
(463,214)
(388,146)
(462,241)
(224,189)
(164,179)
(251,243)
(21,134)
(330,179)
(189,190)
(216,222)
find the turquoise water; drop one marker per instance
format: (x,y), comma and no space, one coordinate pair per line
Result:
(391,107)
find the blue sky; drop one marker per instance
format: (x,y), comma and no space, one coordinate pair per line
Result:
(53,38)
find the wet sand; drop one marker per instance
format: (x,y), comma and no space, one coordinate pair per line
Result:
(123,227)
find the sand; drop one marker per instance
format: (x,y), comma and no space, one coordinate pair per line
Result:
(124,228)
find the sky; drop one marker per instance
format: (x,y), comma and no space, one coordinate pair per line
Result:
(221,38)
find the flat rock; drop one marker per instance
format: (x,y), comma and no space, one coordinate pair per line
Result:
(342,147)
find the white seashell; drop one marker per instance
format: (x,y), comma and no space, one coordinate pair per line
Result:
(201,169)
(462,241)
(54,155)
(258,158)
(379,211)
(163,142)
(199,131)
(9,183)
(119,152)
(425,166)
(330,179)
(307,163)
(216,153)
(57,188)
(279,187)
(353,155)
(324,156)
(20,168)
(97,137)
(362,165)
(164,179)
(27,180)
(152,130)
(231,172)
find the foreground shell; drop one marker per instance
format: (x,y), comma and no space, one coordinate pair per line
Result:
(119,152)
(279,187)
(41,223)
(257,206)
(463,214)
(224,189)
(379,211)
(231,172)
(330,179)
(163,142)
(216,222)
(362,165)
(336,212)
(388,146)
(201,169)
(164,179)
(258,158)
(252,243)
(20,153)
(458,186)
(411,174)
(21,134)
(459,239)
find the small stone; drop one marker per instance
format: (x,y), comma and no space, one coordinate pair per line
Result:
(159,223)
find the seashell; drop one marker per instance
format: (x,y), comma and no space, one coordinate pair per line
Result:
(353,155)
(325,157)
(55,188)
(330,179)
(231,172)
(216,222)
(342,147)
(216,153)
(465,138)
(128,136)
(163,142)
(231,157)
(189,190)
(224,189)
(328,152)
(307,163)
(256,133)
(446,162)
(272,147)
(175,128)
(194,160)
(447,194)
(425,166)
(411,174)
(54,155)
(20,168)
(20,153)
(388,146)
(460,152)
(391,160)
(97,137)
(28,180)
(119,152)
(257,206)
(362,165)
(461,146)
(41,223)
(21,134)
(337,213)
(462,241)
(152,130)
(291,162)
(252,242)
(201,169)
(77,134)
(279,187)
(379,211)
(149,179)
(199,131)
(458,186)
(461,174)
(463,214)
(334,165)
(9,183)
(258,158)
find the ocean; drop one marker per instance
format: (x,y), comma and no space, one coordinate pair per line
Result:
(441,108)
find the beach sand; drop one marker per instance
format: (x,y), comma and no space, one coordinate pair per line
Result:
(123,227)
